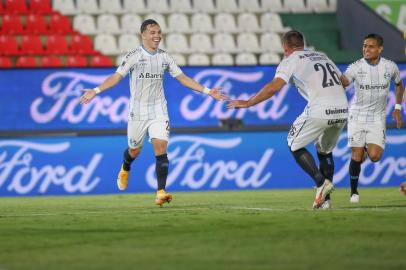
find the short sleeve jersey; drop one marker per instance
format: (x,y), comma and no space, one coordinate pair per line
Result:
(371,85)
(317,79)
(146,73)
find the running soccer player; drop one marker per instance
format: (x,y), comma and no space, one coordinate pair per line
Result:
(372,76)
(148,111)
(318,80)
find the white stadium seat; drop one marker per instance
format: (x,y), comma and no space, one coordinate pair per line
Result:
(245,59)
(222,59)
(248,42)
(296,6)
(130,23)
(158,6)
(177,43)
(317,5)
(135,6)
(108,24)
(224,42)
(201,22)
(159,18)
(228,6)
(182,6)
(250,6)
(119,59)
(84,24)
(248,22)
(178,23)
(224,22)
(198,59)
(128,42)
(180,59)
(111,6)
(272,22)
(87,6)
(66,7)
(106,44)
(206,6)
(273,6)
(269,59)
(332,5)
(201,43)
(271,42)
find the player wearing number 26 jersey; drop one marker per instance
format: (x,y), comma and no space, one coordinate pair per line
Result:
(318,81)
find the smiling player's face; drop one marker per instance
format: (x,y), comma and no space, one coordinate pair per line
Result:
(151,37)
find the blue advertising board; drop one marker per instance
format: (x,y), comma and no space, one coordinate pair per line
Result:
(210,161)
(47,99)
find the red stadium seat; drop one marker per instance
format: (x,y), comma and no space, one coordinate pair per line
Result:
(12,24)
(76,61)
(1,7)
(8,46)
(81,45)
(16,6)
(51,61)
(101,61)
(31,45)
(60,24)
(5,62)
(57,45)
(40,6)
(26,61)
(35,24)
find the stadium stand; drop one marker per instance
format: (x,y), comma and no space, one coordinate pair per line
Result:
(76,61)
(5,62)
(51,61)
(101,61)
(26,62)
(228,27)
(198,59)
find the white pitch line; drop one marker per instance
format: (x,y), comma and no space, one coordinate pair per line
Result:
(169,209)
(100,212)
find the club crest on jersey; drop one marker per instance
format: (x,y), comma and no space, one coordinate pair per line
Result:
(386,75)
(165,66)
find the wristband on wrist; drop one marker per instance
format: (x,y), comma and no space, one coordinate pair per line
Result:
(97,90)
(206,91)
(398,107)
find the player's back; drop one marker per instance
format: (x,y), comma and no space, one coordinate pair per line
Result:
(317,79)
(371,85)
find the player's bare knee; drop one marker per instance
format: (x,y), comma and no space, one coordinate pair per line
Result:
(134,152)
(357,157)
(374,157)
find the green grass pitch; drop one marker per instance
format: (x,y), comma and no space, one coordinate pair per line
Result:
(270,229)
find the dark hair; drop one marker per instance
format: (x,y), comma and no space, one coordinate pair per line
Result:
(378,38)
(146,23)
(294,39)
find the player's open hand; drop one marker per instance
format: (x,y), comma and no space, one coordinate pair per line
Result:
(217,95)
(87,96)
(235,104)
(397,116)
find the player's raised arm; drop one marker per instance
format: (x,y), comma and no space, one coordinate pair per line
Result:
(89,94)
(265,93)
(192,84)
(397,112)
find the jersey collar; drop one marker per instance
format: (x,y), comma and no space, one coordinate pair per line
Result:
(142,47)
(377,63)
